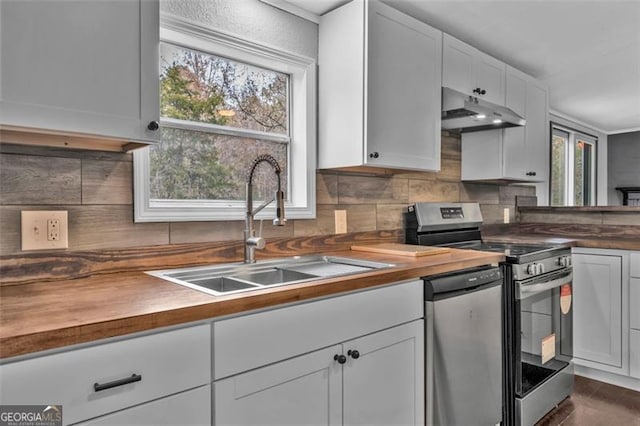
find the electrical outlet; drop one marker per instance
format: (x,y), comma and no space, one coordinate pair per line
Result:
(44,229)
(341,221)
(53,229)
(506,214)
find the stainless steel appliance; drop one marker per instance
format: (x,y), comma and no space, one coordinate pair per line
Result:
(537,310)
(464,113)
(463,338)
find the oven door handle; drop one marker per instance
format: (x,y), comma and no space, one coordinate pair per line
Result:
(527,290)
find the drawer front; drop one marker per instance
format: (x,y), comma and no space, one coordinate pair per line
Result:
(166,362)
(634,264)
(634,352)
(634,303)
(190,408)
(251,341)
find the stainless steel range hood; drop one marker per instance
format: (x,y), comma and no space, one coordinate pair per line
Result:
(464,113)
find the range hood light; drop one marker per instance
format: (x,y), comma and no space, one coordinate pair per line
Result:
(497,121)
(481,116)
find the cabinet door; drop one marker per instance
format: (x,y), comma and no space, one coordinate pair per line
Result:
(537,131)
(306,390)
(80,66)
(634,303)
(634,353)
(190,408)
(403,91)
(597,314)
(515,161)
(384,384)
(490,77)
(516,90)
(457,65)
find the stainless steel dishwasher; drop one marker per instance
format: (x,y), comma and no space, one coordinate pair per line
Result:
(463,314)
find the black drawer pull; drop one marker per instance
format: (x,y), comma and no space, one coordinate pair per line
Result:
(100,387)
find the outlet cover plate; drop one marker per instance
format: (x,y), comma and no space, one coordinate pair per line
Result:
(35,229)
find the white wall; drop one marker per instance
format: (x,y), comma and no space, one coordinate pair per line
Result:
(253,20)
(624,164)
(602,153)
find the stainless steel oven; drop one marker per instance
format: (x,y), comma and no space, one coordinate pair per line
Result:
(536,309)
(539,334)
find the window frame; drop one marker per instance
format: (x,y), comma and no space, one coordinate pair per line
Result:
(569,183)
(302,133)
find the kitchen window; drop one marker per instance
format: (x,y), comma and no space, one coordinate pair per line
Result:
(223,102)
(573,168)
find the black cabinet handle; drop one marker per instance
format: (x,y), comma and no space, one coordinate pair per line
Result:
(483,92)
(374,155)
(353,354)
(476,90)
(340,358)
(531,173)
(153,125)
(97,387)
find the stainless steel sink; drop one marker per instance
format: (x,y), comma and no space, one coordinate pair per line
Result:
(238,277)
(274,276)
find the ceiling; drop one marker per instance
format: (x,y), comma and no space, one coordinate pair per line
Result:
(587,51)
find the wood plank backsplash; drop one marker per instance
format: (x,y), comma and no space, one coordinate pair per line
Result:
(96,188)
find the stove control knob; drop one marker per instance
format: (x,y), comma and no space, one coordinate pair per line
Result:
(533,269)
(564,261)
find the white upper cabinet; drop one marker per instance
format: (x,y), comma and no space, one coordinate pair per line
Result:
(526,148)
(468,70)
(379,97)
(515,153)
(85,68)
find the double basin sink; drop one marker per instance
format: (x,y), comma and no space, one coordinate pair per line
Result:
(228,279)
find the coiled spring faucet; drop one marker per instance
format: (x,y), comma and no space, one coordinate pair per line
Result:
(251,242)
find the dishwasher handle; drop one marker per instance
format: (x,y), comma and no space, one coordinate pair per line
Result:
(526,290)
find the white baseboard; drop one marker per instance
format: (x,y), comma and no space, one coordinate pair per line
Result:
(611,378)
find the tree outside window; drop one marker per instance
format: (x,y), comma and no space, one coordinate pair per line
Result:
(217,115)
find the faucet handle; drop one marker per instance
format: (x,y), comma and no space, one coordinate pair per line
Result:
(257,242)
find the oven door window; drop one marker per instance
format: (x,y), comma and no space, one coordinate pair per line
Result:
(544,324)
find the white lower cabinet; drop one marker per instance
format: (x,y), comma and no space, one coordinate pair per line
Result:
(190,408)
(606,315)
(352,359)
(373,380)
(108,377)
(597,316)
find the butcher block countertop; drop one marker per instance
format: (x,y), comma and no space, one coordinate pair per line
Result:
(49,315)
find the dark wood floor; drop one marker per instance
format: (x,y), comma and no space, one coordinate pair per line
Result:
(596,404)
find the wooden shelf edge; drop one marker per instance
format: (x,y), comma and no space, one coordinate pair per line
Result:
(52,138)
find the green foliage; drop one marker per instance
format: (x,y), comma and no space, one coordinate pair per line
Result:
(187,168)
(184,97)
